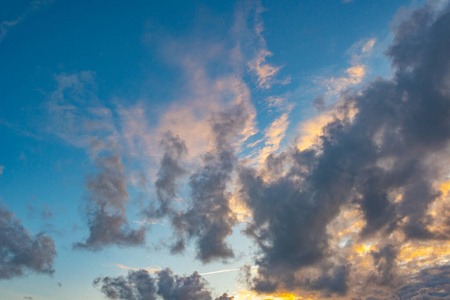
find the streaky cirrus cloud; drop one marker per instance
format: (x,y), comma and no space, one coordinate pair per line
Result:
(264,72)
(21,253)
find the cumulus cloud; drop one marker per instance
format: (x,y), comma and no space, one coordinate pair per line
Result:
(166,285)
(379,152)
(169,171)
(20,252)
(209,218)
(105,207)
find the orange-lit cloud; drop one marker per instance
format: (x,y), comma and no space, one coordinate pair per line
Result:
(274,134)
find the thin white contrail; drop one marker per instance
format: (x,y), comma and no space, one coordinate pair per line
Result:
(223,271)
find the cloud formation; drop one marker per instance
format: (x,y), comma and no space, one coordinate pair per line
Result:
(209,218)
(382,156)
(105,207)
(169,171)
(140,285)
(75,114)
(20,252)
(264,72)
(365,185)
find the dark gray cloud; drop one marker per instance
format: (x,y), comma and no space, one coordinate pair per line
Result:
(332,281)
(140,285)
(174,287)
(209,219)
(225,297)
(384,262)
(431,283)
(20,252)
(319,103)
(105,207)
(393,143)
(169,171)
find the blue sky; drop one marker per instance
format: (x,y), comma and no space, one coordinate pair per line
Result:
(97,96)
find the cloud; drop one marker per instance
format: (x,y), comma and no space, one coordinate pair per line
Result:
(225,297)
(137,285)
(312,129)
(191,287)
(379,155)
(149,269)
(209,218)
(265,72)
(22,253)
(170,170)
(273,136)
(105,207)
(167,285)
(5,26)
(219,272)
(354,75)
(430,283)
(75,114)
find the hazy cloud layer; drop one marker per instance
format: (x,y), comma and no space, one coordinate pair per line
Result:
(20,252)
(381,156)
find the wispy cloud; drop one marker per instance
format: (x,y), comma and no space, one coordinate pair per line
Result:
(356,72)
(151,270)
(264,71)
(6,26)
(273,136)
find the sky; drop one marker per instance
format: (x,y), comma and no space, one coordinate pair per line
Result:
(218,150)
